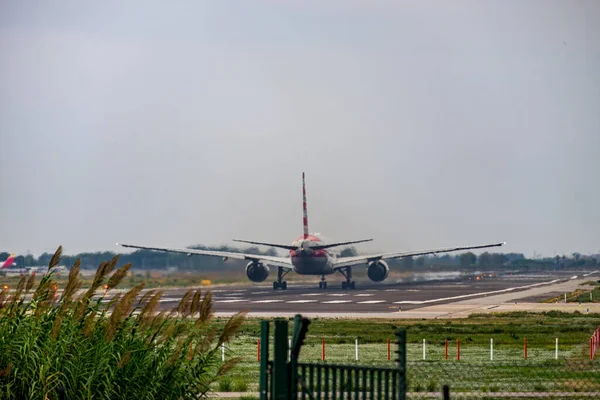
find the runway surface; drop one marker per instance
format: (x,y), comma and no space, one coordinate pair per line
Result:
(417,298)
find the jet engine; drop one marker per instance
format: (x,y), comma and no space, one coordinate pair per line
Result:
(377,270)
(257,272)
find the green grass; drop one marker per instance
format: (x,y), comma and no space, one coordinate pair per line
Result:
(509,371)
(120,350)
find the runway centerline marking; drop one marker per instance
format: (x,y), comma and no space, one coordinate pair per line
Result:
(364,295)
(464,296)
(371,302)
(311,294)
(230,301)
(267,301)
(336,301)
(301,301)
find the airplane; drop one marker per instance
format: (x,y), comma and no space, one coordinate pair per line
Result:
(308,255)
(8,262)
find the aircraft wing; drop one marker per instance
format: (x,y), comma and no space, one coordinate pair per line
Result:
(270,260)
(349,261)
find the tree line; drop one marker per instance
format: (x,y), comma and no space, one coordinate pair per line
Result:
(148,259)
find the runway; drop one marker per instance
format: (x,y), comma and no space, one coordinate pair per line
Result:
(394,300)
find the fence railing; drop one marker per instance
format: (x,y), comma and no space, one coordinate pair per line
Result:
(283,379)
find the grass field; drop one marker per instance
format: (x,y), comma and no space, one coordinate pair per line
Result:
(508,371)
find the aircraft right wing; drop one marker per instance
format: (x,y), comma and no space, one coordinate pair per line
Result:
(342,262)
(269,260)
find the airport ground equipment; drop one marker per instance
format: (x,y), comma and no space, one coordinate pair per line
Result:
(286,377)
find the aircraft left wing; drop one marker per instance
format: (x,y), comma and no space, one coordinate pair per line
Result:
(270,260)
(349,261)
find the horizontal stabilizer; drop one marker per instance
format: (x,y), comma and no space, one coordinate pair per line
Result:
(279,246)
(327,246)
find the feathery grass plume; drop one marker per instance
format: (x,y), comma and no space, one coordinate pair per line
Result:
(88,325)
(178,350)
(55,258)
(207,340)
(56,327)
(206,311)
(30,283)
(3,296)
(14,299)
(118,276)
(122,309)
(149,308)
(124,360)
(232,326)
(73,283)
(184,305)
(195,307)
(83,301)
(147,295)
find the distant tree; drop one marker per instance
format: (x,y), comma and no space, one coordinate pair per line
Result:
(271,252)
(467,259)
(420,262)
(348,252)
(485,259)
(407,262)
(499,259)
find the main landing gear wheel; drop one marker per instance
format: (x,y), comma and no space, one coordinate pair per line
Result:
(280,283)
(349,283)
(323,283)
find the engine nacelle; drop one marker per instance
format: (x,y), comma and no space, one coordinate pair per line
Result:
(377,270)
(257,272)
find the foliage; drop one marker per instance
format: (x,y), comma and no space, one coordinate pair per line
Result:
(122,349)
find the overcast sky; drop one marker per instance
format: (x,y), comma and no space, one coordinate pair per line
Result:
(419,124)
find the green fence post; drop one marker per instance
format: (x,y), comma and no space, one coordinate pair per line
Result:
(264,361)
(401,340)
(280,386)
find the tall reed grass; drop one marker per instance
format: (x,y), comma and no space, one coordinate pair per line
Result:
(77,346)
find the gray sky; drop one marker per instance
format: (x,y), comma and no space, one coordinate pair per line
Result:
(419,124)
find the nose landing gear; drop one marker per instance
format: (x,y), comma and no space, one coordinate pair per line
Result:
(323,283)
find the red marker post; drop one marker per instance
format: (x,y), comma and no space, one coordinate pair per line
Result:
(525,348)
(446,349)
(258,350)
(322,349)
(389,351)
(458,349)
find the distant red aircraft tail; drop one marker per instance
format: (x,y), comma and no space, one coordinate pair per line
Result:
(8,262)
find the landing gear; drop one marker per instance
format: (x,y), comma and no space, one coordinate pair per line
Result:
(280,283)
(349,283)
(323,283)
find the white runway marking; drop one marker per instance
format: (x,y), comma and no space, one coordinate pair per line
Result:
(259,292)
(412,290)
(371,302)
(464,296)
(337,294)
(363,295)
(336,301)
(169,300)
(230,301)
(267,301)
(301,301)
(311,294)
(391,290)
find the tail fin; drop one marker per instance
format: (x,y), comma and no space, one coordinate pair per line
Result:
(305,218)
(8,262)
